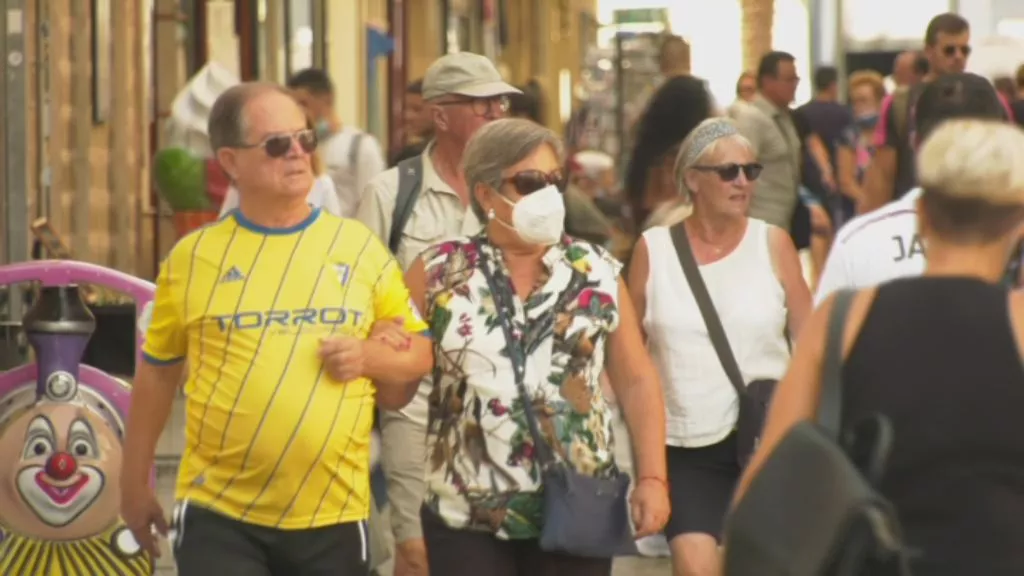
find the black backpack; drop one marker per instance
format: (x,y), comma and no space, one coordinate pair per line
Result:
(410,178)
(811,510)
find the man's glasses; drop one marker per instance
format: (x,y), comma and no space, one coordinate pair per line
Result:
(730,172)
(529,181)
(482,106)
(278,145)
(951,50)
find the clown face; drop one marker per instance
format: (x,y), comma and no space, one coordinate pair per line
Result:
(58,473)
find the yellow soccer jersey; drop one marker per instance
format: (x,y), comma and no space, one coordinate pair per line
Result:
(270,438)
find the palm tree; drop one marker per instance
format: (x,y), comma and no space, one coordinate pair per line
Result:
(758,19)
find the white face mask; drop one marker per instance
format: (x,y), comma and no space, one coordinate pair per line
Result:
(538,218)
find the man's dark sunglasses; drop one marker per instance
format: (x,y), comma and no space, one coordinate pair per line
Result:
(529,181)
(952,49)
(730,172)
(278,145)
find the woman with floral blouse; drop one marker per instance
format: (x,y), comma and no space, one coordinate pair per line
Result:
(483,511)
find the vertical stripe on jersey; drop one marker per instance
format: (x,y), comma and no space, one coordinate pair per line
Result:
(299,421)
(277,388)
(202,323)
(241,388)
(341,456)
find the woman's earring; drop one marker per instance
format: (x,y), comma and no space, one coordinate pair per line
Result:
(490,214)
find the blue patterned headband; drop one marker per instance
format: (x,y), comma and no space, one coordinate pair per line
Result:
(703,136)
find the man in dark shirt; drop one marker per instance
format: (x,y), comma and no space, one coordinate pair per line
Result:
(891,172)
(417,123)
(825,118)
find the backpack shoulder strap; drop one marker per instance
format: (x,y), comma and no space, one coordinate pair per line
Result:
(410,177)
(830,404)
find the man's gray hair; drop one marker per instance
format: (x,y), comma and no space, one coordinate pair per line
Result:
(498,146)
(227,123)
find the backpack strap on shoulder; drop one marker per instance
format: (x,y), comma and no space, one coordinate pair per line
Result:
(410,178)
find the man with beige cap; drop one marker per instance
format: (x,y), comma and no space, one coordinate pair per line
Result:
(422,201)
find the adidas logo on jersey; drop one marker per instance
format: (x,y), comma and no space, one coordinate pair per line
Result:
(232,275)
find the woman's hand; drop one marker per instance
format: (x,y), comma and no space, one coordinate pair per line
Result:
(649,506)
(391,332)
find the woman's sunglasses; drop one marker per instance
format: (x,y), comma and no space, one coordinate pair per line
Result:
(278,145)
(530,181)
(730,172)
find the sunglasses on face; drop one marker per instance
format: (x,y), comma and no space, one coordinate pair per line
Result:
(529,181)
(731,171)
(483,106)
(952,49)
(279,145)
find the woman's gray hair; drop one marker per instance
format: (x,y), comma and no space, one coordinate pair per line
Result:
(702,141)
(496,147)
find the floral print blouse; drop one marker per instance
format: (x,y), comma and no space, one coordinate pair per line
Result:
(480,454)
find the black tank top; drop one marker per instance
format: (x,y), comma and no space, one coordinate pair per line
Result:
(938,357)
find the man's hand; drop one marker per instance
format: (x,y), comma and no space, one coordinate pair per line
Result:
(142,513)
(392,333)
(650,507)
(343,357)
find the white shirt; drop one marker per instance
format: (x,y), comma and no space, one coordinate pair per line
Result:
(321,195)
(350,180)
(874,248)
(700,402)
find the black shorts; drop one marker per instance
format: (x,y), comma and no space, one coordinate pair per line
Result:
(209,544)
(701,483)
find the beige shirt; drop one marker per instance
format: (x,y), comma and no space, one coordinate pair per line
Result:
(438,214)
(777,146)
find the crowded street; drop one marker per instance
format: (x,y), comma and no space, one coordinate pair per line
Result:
(512,288)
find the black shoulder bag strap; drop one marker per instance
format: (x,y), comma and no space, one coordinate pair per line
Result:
(545,455)
(830,404)
(410,176)
(707,308)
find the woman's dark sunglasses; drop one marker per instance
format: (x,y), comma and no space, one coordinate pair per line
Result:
(529,181)
(730,172)
(278,145)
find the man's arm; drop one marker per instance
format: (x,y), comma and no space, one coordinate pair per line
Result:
(157,377)
(635,382)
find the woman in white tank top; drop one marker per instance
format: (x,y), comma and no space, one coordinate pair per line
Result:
(753,275)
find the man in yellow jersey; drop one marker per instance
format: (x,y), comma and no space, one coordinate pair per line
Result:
(270,309)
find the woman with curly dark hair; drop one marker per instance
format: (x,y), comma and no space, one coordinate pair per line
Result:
(678,106)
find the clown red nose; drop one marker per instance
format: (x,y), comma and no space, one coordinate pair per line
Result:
(61,466)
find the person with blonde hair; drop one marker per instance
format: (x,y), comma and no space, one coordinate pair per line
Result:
(856,145)
(753,277)
(939,358)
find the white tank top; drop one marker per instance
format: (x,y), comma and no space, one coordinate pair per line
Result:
(700,403)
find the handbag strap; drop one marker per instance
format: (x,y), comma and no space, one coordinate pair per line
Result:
(544,454)
(830,404)
(707,308)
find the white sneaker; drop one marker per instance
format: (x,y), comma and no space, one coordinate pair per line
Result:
(655,546)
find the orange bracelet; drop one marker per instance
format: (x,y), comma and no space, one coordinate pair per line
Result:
(661,481)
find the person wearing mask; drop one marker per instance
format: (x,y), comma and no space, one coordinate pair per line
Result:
(947,45)
(939,357)
(768,125)
(350,156)
(856,145)
(417,125)
(884,245)
(677,108)
(483,510)
(753,276)
(464,91)
(274,477)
